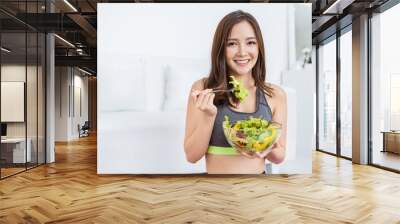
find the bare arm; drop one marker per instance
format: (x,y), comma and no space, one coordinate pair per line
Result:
(200,117)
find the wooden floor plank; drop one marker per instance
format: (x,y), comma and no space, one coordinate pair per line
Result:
(70,191)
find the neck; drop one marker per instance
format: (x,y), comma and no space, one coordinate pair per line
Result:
(247,80)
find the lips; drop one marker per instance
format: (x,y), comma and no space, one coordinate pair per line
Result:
(242,62)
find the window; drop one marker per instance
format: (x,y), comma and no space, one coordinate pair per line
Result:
(385,89)
(22,66)
(346,94)
(327,97)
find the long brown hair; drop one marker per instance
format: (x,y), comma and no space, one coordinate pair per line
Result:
(219,77)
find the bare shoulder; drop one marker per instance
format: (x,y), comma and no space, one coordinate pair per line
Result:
(199,84)
(278,92)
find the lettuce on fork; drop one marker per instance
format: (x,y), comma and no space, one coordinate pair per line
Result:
(239,91)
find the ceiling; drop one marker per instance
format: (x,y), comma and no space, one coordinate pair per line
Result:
(76,22)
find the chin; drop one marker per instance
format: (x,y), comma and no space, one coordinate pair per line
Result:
(242,72)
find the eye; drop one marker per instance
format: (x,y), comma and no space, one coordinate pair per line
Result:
(231,44)
(252,43)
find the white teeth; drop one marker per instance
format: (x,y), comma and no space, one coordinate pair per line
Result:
(241,61)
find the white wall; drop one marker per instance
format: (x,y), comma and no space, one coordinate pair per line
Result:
(303,39)
(61,103)
(79,117)
(303,83)
(165,34)
(68,81)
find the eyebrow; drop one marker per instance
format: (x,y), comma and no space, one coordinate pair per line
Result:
(248,38)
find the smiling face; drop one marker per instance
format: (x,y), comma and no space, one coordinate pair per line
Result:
(241,51)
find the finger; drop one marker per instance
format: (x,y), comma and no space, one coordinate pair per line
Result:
(200,99)
(264,153)
(204,100)
(194,96)
(207,100)
(248,155)
(210,100)
(260,155)
(195,93)
(208,90)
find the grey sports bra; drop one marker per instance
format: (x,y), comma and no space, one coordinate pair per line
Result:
(262,110)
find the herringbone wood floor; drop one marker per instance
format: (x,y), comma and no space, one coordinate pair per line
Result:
(70,191)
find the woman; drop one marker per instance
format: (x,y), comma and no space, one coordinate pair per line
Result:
(237,50)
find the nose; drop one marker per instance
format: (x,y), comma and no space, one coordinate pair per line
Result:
(242,50)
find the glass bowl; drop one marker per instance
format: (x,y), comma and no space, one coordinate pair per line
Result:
(253,135)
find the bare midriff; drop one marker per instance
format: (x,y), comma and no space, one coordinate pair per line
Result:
(233,164)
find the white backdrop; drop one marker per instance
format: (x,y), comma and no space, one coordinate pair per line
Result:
(148,57)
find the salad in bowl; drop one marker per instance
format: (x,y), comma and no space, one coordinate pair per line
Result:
(253,135)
